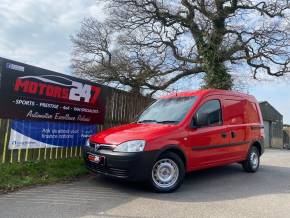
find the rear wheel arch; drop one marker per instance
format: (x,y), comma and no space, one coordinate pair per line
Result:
(258,145)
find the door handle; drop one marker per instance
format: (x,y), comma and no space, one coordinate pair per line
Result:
(233,134)
(224,134)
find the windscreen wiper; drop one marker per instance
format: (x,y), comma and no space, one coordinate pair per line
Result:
(168,121)
(155,121)
(147,121)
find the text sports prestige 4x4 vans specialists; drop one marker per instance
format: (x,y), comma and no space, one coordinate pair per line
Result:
(180,133)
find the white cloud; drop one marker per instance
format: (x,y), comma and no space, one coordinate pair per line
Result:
(38,32)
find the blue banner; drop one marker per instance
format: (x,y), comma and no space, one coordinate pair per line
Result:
(41,134)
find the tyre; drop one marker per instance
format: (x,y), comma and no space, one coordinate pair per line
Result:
(252,163)
(167,173)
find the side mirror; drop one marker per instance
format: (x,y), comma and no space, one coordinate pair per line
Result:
(193,124)
(199,120)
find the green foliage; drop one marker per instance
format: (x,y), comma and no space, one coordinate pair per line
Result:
(216,74)
(17,175)
(217,77)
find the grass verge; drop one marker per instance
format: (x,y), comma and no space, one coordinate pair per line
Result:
(16,175)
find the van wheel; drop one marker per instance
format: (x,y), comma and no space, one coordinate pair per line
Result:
(167,174)
(252,163)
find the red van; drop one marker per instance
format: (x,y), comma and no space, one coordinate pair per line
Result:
(180,133)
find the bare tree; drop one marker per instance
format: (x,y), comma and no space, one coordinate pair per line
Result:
(151,44)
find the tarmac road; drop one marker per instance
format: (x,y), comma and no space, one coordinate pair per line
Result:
(219,192)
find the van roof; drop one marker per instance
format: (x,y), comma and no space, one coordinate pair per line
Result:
(204,92)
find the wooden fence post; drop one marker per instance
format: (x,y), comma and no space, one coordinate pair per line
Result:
(5,142)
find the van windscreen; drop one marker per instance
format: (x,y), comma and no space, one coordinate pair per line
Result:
(170,110)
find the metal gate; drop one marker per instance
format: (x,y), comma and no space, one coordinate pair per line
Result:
(267,129)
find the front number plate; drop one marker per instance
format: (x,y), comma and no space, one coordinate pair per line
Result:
(96,158)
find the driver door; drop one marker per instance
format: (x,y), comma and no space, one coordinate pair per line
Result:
(208,137)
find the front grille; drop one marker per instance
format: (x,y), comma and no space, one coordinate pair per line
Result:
(97,146)
(121,173)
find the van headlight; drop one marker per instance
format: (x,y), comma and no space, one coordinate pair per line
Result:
(87,144)
(131,146)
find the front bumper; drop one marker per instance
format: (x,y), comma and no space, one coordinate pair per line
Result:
(131,166)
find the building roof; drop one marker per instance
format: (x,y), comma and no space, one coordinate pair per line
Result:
(270,113)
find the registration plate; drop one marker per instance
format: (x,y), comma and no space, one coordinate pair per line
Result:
(96,158)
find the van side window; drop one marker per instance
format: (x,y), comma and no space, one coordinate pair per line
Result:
(209,114)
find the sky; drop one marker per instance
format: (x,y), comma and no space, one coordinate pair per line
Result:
(38,33)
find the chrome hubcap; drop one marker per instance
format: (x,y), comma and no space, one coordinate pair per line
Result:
(165,173)
(254,160)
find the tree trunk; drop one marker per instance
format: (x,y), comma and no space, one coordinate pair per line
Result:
(217,78)
(135,90)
